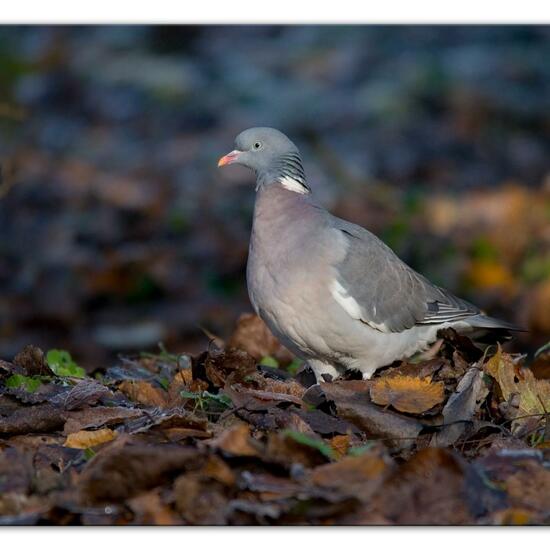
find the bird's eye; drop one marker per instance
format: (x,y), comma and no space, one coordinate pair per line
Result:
(257,145)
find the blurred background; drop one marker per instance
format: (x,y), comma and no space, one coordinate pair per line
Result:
(117,230)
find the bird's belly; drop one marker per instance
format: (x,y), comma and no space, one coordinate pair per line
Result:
(292,309)
(312,325)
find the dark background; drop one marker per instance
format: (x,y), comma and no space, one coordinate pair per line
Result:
(117,230)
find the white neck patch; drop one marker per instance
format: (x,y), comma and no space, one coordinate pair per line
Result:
(293,185)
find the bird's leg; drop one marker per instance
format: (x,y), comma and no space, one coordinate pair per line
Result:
(323,370)
(431,352)
(367,372)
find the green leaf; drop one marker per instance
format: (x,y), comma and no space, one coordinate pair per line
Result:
(164,382)
(219,398)
(189,394)
(358,451)
(28,383)
(212,400)
(62,364)
(292,369)
(269,361)
(309,441)
(89,453)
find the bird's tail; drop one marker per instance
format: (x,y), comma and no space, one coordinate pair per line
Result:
(484,322)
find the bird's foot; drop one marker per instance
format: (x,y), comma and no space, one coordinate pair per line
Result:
(324,372)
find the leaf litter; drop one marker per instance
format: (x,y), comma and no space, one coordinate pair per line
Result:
(230,438)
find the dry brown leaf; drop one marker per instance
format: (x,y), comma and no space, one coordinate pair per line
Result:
(217,469)
(288,387)
(127,467)
(429,488)
(533,394)
(359,476)
(201,500)
(143,392)
(340,445)
(407,393)
(252,335)
(149,509)
(95,417)
(182,381)
(461,407)
(529,487)
(353,404)
(235,441)
(89,438)
(86,392)
(39,418)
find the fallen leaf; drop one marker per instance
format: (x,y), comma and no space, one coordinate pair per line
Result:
(251,399)
(461,407)
(166,419)
(354,405)
(325,424)
(86,392)
(269,486)
(236,441)
(149,509)
(38,418)
(359,476)
(16,471)
(31,359)
(217,469)
(288,387)
(98,416)
(229,365)
(340,445)
(424,369)
(125,468)
(429,489)
(144,393)
(89,438)
(201,500)
(313,441)
(529,488)
(252,335)
(407,393)
(533,395)
(289,447)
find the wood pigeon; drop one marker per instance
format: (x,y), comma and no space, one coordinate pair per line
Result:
(332,292)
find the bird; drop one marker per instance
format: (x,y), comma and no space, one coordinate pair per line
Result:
(331,291)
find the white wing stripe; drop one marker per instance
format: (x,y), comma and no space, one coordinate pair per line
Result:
(351,307)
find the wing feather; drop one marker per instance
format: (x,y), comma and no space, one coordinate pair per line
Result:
(390,296)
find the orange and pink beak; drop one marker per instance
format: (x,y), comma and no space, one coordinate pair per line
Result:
(230,158)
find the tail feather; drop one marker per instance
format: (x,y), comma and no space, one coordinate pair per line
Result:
(483,321)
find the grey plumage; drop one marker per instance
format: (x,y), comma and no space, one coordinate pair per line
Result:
(330,290)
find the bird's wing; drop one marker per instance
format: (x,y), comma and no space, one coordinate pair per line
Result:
(376,287)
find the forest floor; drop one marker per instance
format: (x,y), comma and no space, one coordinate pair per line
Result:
(238,435)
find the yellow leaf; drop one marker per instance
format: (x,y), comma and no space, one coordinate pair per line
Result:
(534,395)
(407,393)
(89,438)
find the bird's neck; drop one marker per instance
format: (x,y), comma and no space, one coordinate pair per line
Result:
(278,206)
(286,171)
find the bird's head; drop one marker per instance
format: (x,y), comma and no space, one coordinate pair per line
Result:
(271,155)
